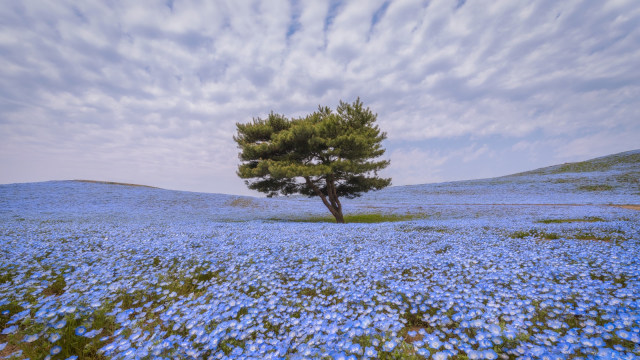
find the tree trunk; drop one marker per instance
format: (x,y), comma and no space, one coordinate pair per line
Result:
(339,217)
(333,204)
(333,198)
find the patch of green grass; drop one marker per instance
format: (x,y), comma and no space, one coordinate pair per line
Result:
(7,274)
(590,236)
(129,299)
(559,221)
(186,283)
(308,292)
(443,249)
(598,187)
(328,291)
(13,308)
(57,286)
(242,202)
(598,164)
(534,233)
(114,183)
(367,218)
(425,229)
(632,177)
(70,343)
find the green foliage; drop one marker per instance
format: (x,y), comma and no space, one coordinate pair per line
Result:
(7,274)
(13,308)
(534,233)
(600,164)
(57,286)
(366,218)
(326,154)
(599,187)
(70,343)
(559,221)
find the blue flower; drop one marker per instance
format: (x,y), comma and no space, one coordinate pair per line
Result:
(60,324)
(30,338)
(55,350)
(442,355)
(10,330)
(81,330)
(389,345)
(91,334)
(370,352)
(54,337)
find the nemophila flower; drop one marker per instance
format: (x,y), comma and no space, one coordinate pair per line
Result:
(370,352)
(489,354)
(434,344)
(55,350)
(355,348)
(91,334)
(72,357)
(441,355)
(423,352)
(389,345)
(338,355)
(54,337)
(623,334)
(2,346)
(10,330)
(30,338)
(80,330)
(19,316)
(60,324)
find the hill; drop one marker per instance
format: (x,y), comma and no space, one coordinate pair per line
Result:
(613,179)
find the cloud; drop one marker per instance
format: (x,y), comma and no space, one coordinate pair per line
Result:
(99,89)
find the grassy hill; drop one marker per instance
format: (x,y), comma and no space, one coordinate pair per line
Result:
(613,179)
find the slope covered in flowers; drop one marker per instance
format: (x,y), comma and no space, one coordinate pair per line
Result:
(613,179)
(107,271)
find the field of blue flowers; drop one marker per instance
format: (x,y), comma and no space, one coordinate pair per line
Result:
(94,271)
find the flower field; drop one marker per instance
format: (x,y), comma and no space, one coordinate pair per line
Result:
(93,271)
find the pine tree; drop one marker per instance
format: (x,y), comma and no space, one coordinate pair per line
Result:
(326,154)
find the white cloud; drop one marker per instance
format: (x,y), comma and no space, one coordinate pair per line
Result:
(159,85)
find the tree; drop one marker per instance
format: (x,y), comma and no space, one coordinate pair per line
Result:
(326,154)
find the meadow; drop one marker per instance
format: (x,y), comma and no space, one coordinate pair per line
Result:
(537,265)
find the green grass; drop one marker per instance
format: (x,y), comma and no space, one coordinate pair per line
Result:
(113,183)
(242,202)
(70,343)
(559,221)
(599,187)
(367,218)
(534,233)
(602,164)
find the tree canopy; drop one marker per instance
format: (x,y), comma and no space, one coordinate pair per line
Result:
(329,154)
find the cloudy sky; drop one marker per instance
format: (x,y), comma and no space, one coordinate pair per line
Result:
(149,91)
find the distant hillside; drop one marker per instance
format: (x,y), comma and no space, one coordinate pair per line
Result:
(613,179)
(113,183)
(627,162)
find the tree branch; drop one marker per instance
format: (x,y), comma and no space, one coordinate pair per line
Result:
(321,195)
(333,194)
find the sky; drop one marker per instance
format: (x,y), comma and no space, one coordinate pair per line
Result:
(149,92)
